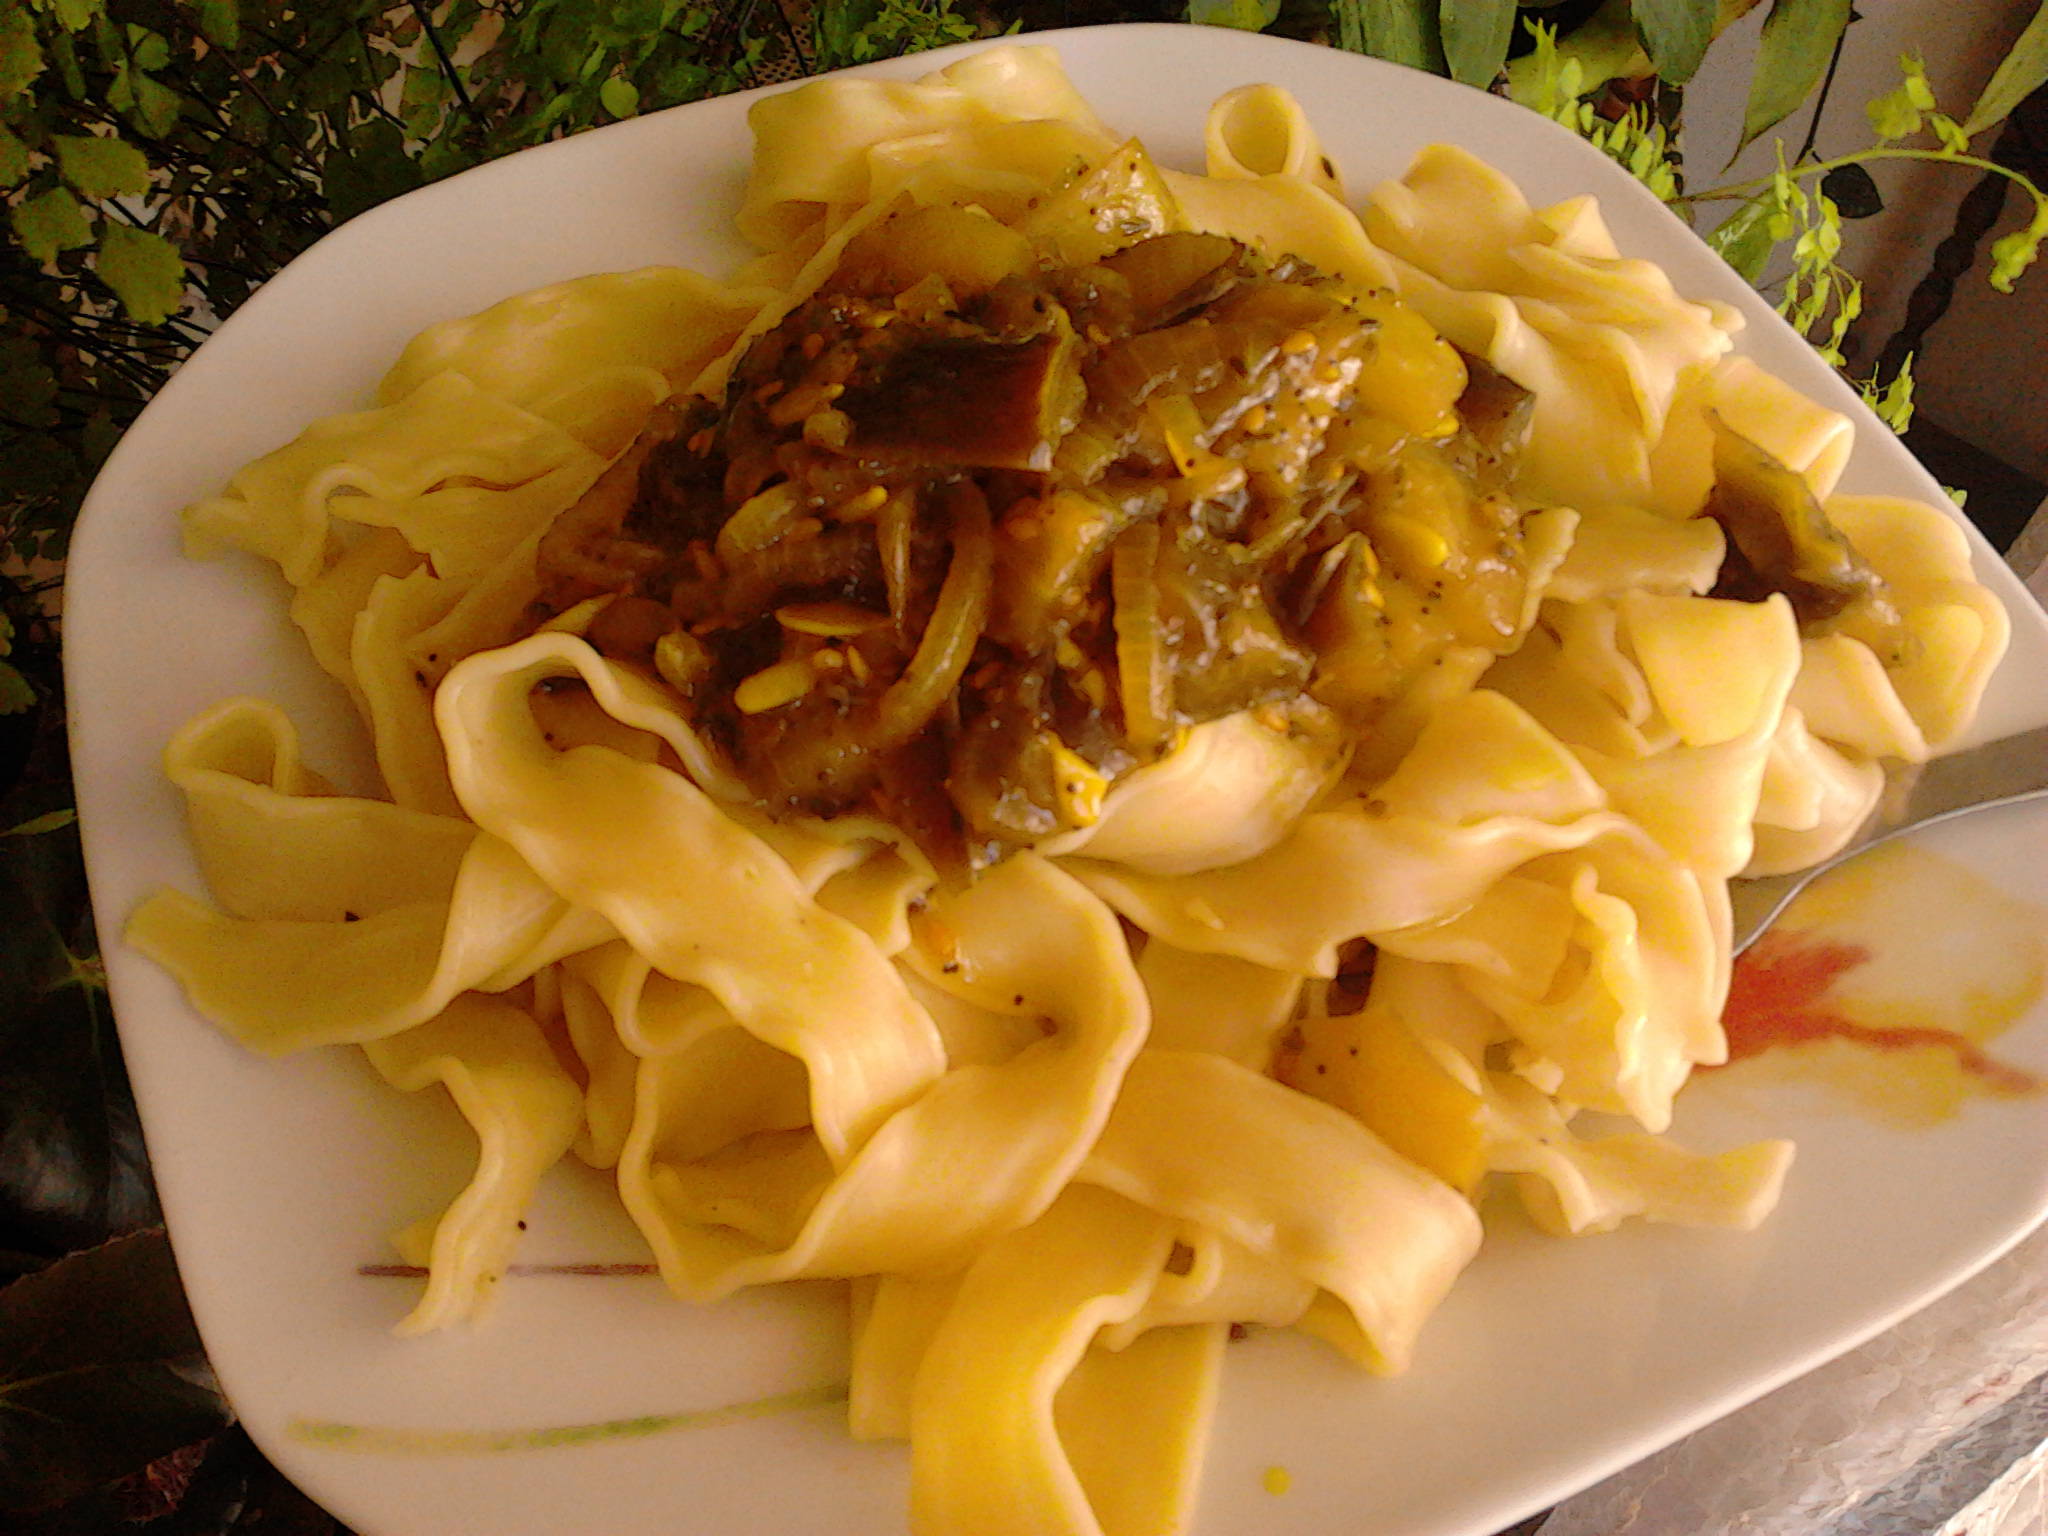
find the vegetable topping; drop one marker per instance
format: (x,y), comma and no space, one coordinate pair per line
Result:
(974,532)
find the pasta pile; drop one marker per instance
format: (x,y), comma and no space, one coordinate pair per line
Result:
(1241,1050)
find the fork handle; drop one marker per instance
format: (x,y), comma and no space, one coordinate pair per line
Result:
(2001,772)
(1997,773)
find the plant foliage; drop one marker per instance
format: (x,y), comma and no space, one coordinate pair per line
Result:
(160,159)
(1785,232)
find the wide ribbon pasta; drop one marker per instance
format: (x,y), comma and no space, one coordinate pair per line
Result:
(347,919)
(1604,341)
(1244,1044)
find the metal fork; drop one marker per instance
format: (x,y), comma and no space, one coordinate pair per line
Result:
(1997,773)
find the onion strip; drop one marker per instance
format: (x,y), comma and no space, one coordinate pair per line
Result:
(948,642)
(893,527)
(1140,657)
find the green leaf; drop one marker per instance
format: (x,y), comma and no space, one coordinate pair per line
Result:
(1892,402)
(21,56)
(100,167)
(220,23)
(50,222)
(74,1172)
(17,693)
(150,51)
(1476,34)
(423,100)
(157,106)
(444,157)
(2023,71)
(856,31)
(148,103)
(836,25)
(104,1372)
(145,271)
(1676,34)
(1745,239)
(619,97)
(371,168)
(1899,114)
(69,70)
(1399,31)
(1799,38)
(77,15)
(49,821)
(1245,15)
(14,161)
(28,393)
(2012,254)
(1601,48)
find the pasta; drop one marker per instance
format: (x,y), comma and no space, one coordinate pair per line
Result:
(1214,995)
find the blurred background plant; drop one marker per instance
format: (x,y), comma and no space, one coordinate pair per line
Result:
(159,159)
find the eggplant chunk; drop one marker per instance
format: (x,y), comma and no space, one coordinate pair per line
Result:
(960,401)
(1780,538)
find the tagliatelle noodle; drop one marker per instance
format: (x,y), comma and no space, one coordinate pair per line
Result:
(1296,1183)
(1216,1003)
(593,354)
(1261,130)
(1954,633)
(1045,1123)
(1806,437)
(812,148)
(502,1074)
(1231,791)
(986,1455)
(701,898)
(347,919)
(1603,341)
(1483,791)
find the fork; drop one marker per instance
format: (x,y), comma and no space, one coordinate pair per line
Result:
(2003,772)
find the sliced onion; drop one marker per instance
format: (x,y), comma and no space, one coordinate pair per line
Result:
(1142,676)
(948,642)
(893,527)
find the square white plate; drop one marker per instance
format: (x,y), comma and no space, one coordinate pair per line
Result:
(1554,1361)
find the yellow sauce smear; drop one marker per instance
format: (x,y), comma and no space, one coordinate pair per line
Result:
(1888,980)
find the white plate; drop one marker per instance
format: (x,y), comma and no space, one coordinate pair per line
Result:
(1553,1363)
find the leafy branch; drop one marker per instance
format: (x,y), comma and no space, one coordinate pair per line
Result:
(1617,78)
(160,158)
(1796,210)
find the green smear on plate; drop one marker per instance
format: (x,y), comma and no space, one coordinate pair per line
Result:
(389,1441)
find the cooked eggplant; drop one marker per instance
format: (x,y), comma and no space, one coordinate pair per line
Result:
(1779,536)
(997,513)
(963,402)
